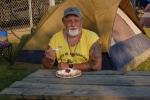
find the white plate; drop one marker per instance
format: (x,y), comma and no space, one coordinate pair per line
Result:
(68,77)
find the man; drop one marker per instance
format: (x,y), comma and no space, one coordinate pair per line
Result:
(74,47)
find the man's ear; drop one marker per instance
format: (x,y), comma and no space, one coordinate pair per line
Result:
(63,22)
(81,18)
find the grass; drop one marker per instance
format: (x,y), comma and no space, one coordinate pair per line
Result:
(145,66)
(9,76)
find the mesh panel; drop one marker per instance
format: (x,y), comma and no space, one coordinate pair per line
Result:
(59,1)
(15,18)
(15,14)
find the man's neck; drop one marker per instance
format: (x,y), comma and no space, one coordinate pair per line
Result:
(72,40)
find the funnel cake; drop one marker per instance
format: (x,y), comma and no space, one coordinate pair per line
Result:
(68,73)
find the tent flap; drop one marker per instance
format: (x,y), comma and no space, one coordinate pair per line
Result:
(126,52)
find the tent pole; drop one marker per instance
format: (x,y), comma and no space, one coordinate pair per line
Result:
(134,4)
(30,14)
(51,2)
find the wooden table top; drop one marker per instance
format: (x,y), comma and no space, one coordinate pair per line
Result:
(93,85)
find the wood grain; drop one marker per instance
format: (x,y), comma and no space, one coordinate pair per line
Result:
(94,85)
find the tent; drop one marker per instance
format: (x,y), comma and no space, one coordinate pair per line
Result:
(145,19)
(124,44)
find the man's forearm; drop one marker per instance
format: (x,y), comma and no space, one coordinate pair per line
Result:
(47,63)
(91,65)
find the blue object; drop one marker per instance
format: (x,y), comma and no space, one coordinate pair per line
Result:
(5,44)
(144,3)
(148,0)
(3,33)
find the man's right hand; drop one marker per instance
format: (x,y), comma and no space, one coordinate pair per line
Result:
(50,54)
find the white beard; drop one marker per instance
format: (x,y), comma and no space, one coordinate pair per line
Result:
(73,32)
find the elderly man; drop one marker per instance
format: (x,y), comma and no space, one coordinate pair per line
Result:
(74,47)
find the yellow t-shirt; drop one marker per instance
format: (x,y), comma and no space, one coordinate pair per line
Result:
(81,50)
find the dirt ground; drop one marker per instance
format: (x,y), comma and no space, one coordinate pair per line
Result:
(25,30)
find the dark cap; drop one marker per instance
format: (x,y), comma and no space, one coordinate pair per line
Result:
(72,10)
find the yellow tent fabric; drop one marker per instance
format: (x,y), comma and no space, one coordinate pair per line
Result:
(98,16)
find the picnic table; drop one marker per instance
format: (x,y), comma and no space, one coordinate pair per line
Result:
(93,85)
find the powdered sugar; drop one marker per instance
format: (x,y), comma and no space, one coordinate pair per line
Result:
(64,71)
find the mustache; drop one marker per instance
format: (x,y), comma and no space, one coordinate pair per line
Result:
(75,27)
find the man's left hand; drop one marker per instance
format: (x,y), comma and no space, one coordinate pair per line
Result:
(63,65)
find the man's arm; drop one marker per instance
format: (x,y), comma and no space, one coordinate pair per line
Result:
(47,63)
(94,63)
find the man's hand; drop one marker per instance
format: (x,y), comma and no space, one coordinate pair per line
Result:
(50,54)
(63,65)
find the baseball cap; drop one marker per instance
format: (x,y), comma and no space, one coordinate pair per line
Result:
(72,10)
